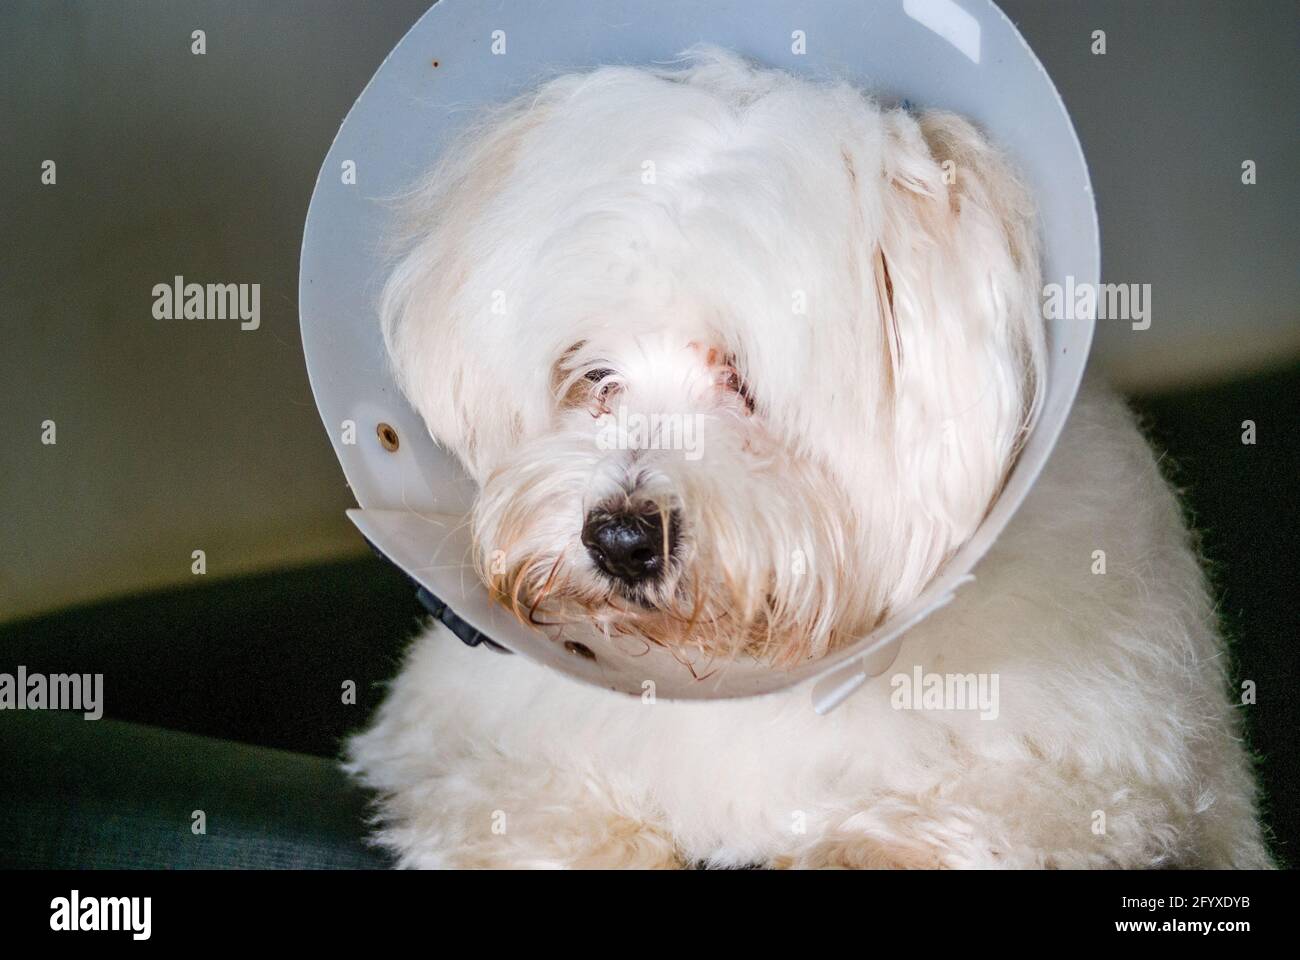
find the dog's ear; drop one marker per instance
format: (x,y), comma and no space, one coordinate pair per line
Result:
(446,306)
(958,282)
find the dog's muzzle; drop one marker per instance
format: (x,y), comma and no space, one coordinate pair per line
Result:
(629,545)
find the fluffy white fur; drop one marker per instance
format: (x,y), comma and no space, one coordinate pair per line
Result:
(844,298)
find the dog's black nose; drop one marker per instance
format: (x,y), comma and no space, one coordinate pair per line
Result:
(626,545)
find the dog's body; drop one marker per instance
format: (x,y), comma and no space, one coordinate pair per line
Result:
(863,436)
(1115,744)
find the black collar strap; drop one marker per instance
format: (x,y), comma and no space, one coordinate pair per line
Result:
(444,614)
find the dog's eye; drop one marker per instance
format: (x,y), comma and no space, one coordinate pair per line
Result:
(604,386)
(733,381)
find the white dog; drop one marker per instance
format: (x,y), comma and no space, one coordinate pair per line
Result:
(840,303)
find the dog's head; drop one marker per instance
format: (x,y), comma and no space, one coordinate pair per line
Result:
(736,360)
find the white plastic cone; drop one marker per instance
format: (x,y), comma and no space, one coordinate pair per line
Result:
(960,55)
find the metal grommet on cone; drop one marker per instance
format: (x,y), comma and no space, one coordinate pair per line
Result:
(579,649)
(387,437)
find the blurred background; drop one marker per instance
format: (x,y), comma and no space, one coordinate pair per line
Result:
(175,436)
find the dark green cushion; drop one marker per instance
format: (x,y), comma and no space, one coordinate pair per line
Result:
(102,794)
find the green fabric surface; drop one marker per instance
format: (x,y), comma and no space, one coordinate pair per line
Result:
(104,794)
